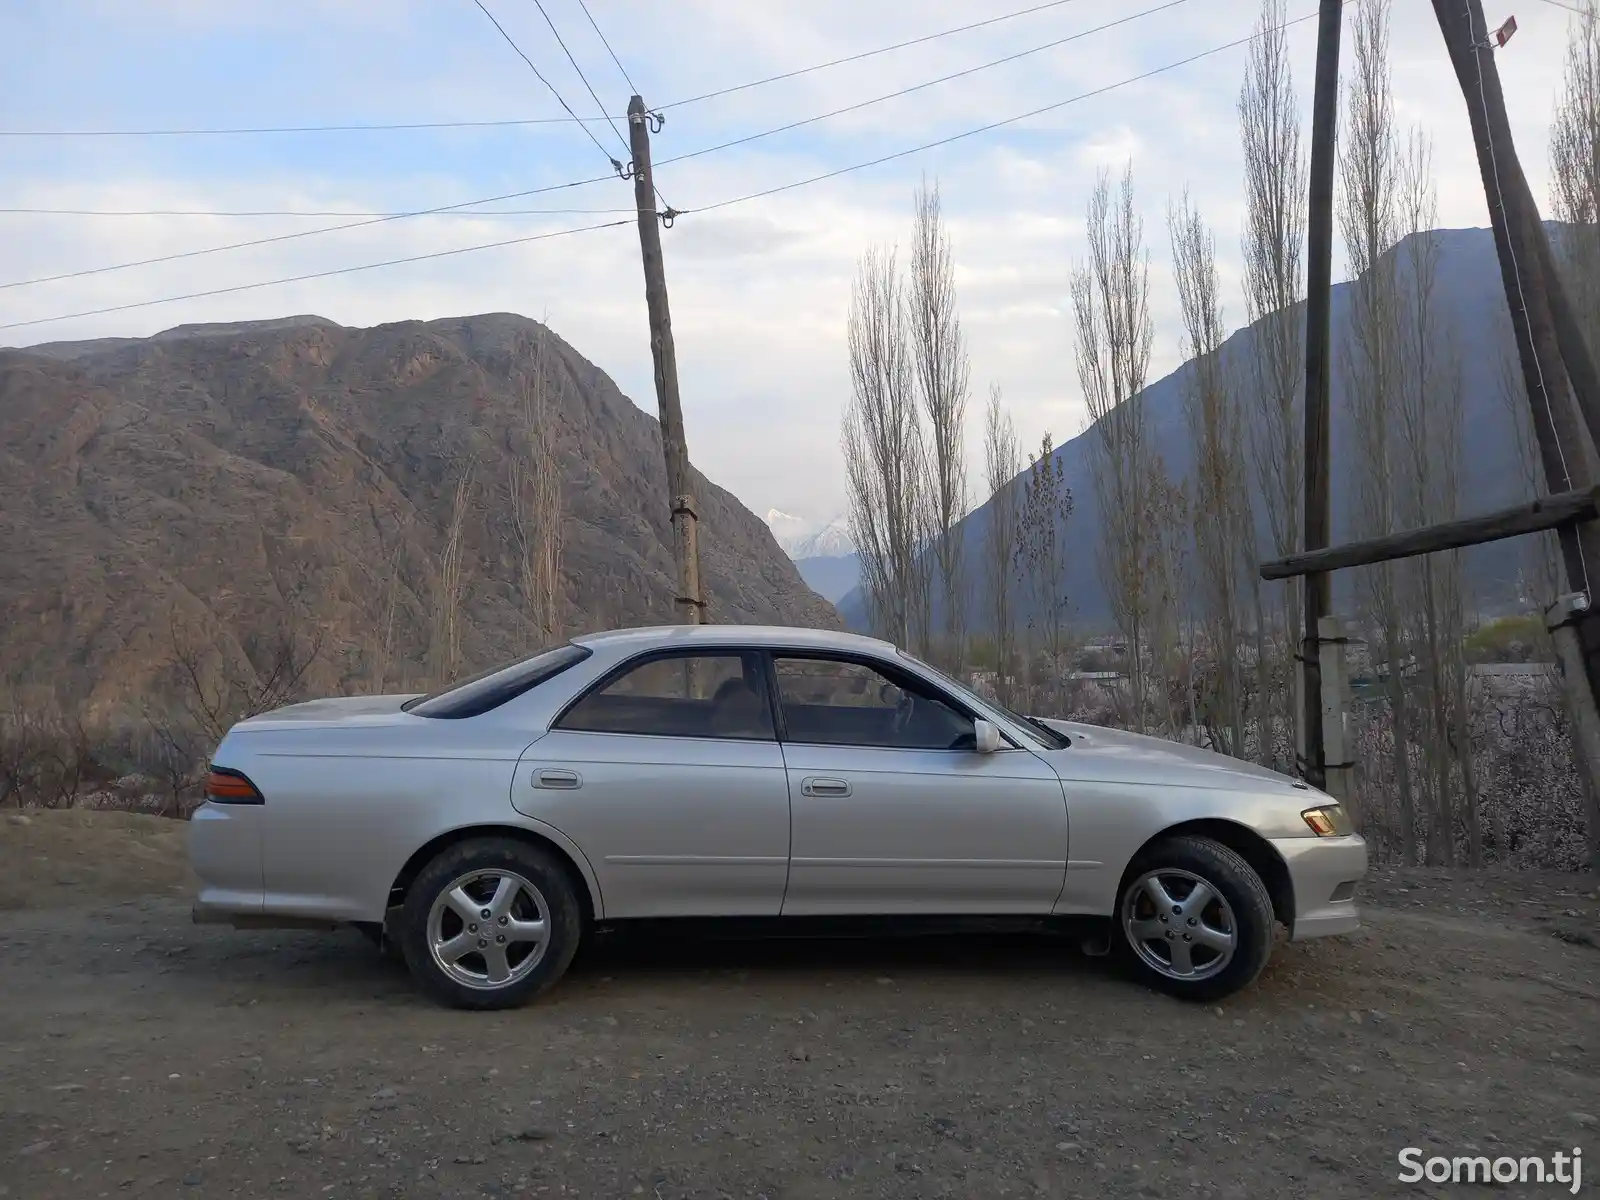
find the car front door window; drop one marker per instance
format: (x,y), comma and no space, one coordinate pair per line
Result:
(837,702)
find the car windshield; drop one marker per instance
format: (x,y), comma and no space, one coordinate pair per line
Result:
(490,689)
(1040,734)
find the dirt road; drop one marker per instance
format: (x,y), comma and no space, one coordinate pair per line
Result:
(143,1056)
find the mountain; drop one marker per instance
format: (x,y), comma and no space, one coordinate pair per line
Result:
(823,553)
(831,541)
(831,576)
(801,537)
(1470,298)
(789,531)
(213,477)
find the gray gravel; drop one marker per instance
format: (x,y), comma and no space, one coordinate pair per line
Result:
(142,1056)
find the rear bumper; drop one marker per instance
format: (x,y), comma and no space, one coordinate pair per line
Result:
(1324,872)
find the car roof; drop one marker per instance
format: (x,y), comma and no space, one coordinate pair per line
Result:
(720,635)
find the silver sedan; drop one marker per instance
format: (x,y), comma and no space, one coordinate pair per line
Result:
(789,776)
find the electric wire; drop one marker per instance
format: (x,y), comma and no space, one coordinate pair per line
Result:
(247,287)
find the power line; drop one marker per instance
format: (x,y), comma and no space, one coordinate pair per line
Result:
(303,233)
(562,42)
(956,137)
(664,162)
(300,212)
(865,54)
(246,287)
(917,87)
(353,128)
(626,78)
(413,125)
(899,154)
(1572,8)
(615,165)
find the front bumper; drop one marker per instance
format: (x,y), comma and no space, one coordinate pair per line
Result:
(1324,872)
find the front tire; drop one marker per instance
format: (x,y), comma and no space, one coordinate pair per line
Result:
(1193,919)
(490,923)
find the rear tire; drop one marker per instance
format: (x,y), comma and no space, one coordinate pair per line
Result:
(1193,919)
(490,923)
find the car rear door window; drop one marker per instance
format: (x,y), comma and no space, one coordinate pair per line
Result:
(841,702)
(680,695)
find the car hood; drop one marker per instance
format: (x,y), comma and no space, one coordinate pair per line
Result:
(1134,757)
(336,710)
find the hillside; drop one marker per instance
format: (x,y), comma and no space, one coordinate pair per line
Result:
(213,478)
(1469,297)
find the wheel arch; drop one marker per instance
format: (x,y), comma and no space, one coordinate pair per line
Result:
(572,860)
(1249,845)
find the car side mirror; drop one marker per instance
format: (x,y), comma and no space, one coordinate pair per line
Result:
(985,737)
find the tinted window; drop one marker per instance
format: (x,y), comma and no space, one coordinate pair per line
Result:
(490,689)
(836,703)
(1040,735)
(680,695)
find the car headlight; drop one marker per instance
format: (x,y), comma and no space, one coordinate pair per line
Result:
(1328,820)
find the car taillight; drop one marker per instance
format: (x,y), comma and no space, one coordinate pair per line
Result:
(227,786)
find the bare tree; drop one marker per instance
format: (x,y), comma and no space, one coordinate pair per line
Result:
(391,588)
(535,506)
(451,582)
(1111,311)
(1003,463)
(939,354)
(1224,541)
(1046,505)
(1575,168)
(1427,467)
(216,689)
(885,454)
(1172,696)
(1275,231)
(1541,582)
(1368,217)
(172,753)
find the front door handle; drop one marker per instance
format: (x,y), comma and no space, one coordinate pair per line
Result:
(816,785)
(552,778)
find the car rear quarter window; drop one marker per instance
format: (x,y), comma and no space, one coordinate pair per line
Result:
(489,689)
(680,695)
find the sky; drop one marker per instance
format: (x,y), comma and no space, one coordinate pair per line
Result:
(759,289)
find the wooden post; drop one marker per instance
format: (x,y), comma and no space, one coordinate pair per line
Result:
(680,484)
(1319,304)
(1339,764)
(1547,512)
(1527,270)
(1562,619)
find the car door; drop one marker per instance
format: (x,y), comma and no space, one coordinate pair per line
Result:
(667,774)
(894,810)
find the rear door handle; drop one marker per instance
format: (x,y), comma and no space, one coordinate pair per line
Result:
(551,778)
(816,785)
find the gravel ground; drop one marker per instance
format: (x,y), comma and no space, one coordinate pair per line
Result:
(143,1056)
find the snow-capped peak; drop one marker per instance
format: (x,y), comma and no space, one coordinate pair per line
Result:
(801,537)
(831,540)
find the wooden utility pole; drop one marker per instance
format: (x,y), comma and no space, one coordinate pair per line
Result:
(690,601)
(1558,373)
(1319,304)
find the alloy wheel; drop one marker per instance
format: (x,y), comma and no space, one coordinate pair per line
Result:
(488,928)
(1178,924)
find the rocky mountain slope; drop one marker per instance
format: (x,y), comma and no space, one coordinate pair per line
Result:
(216,479)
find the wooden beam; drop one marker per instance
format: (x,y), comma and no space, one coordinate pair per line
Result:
(1548,512)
